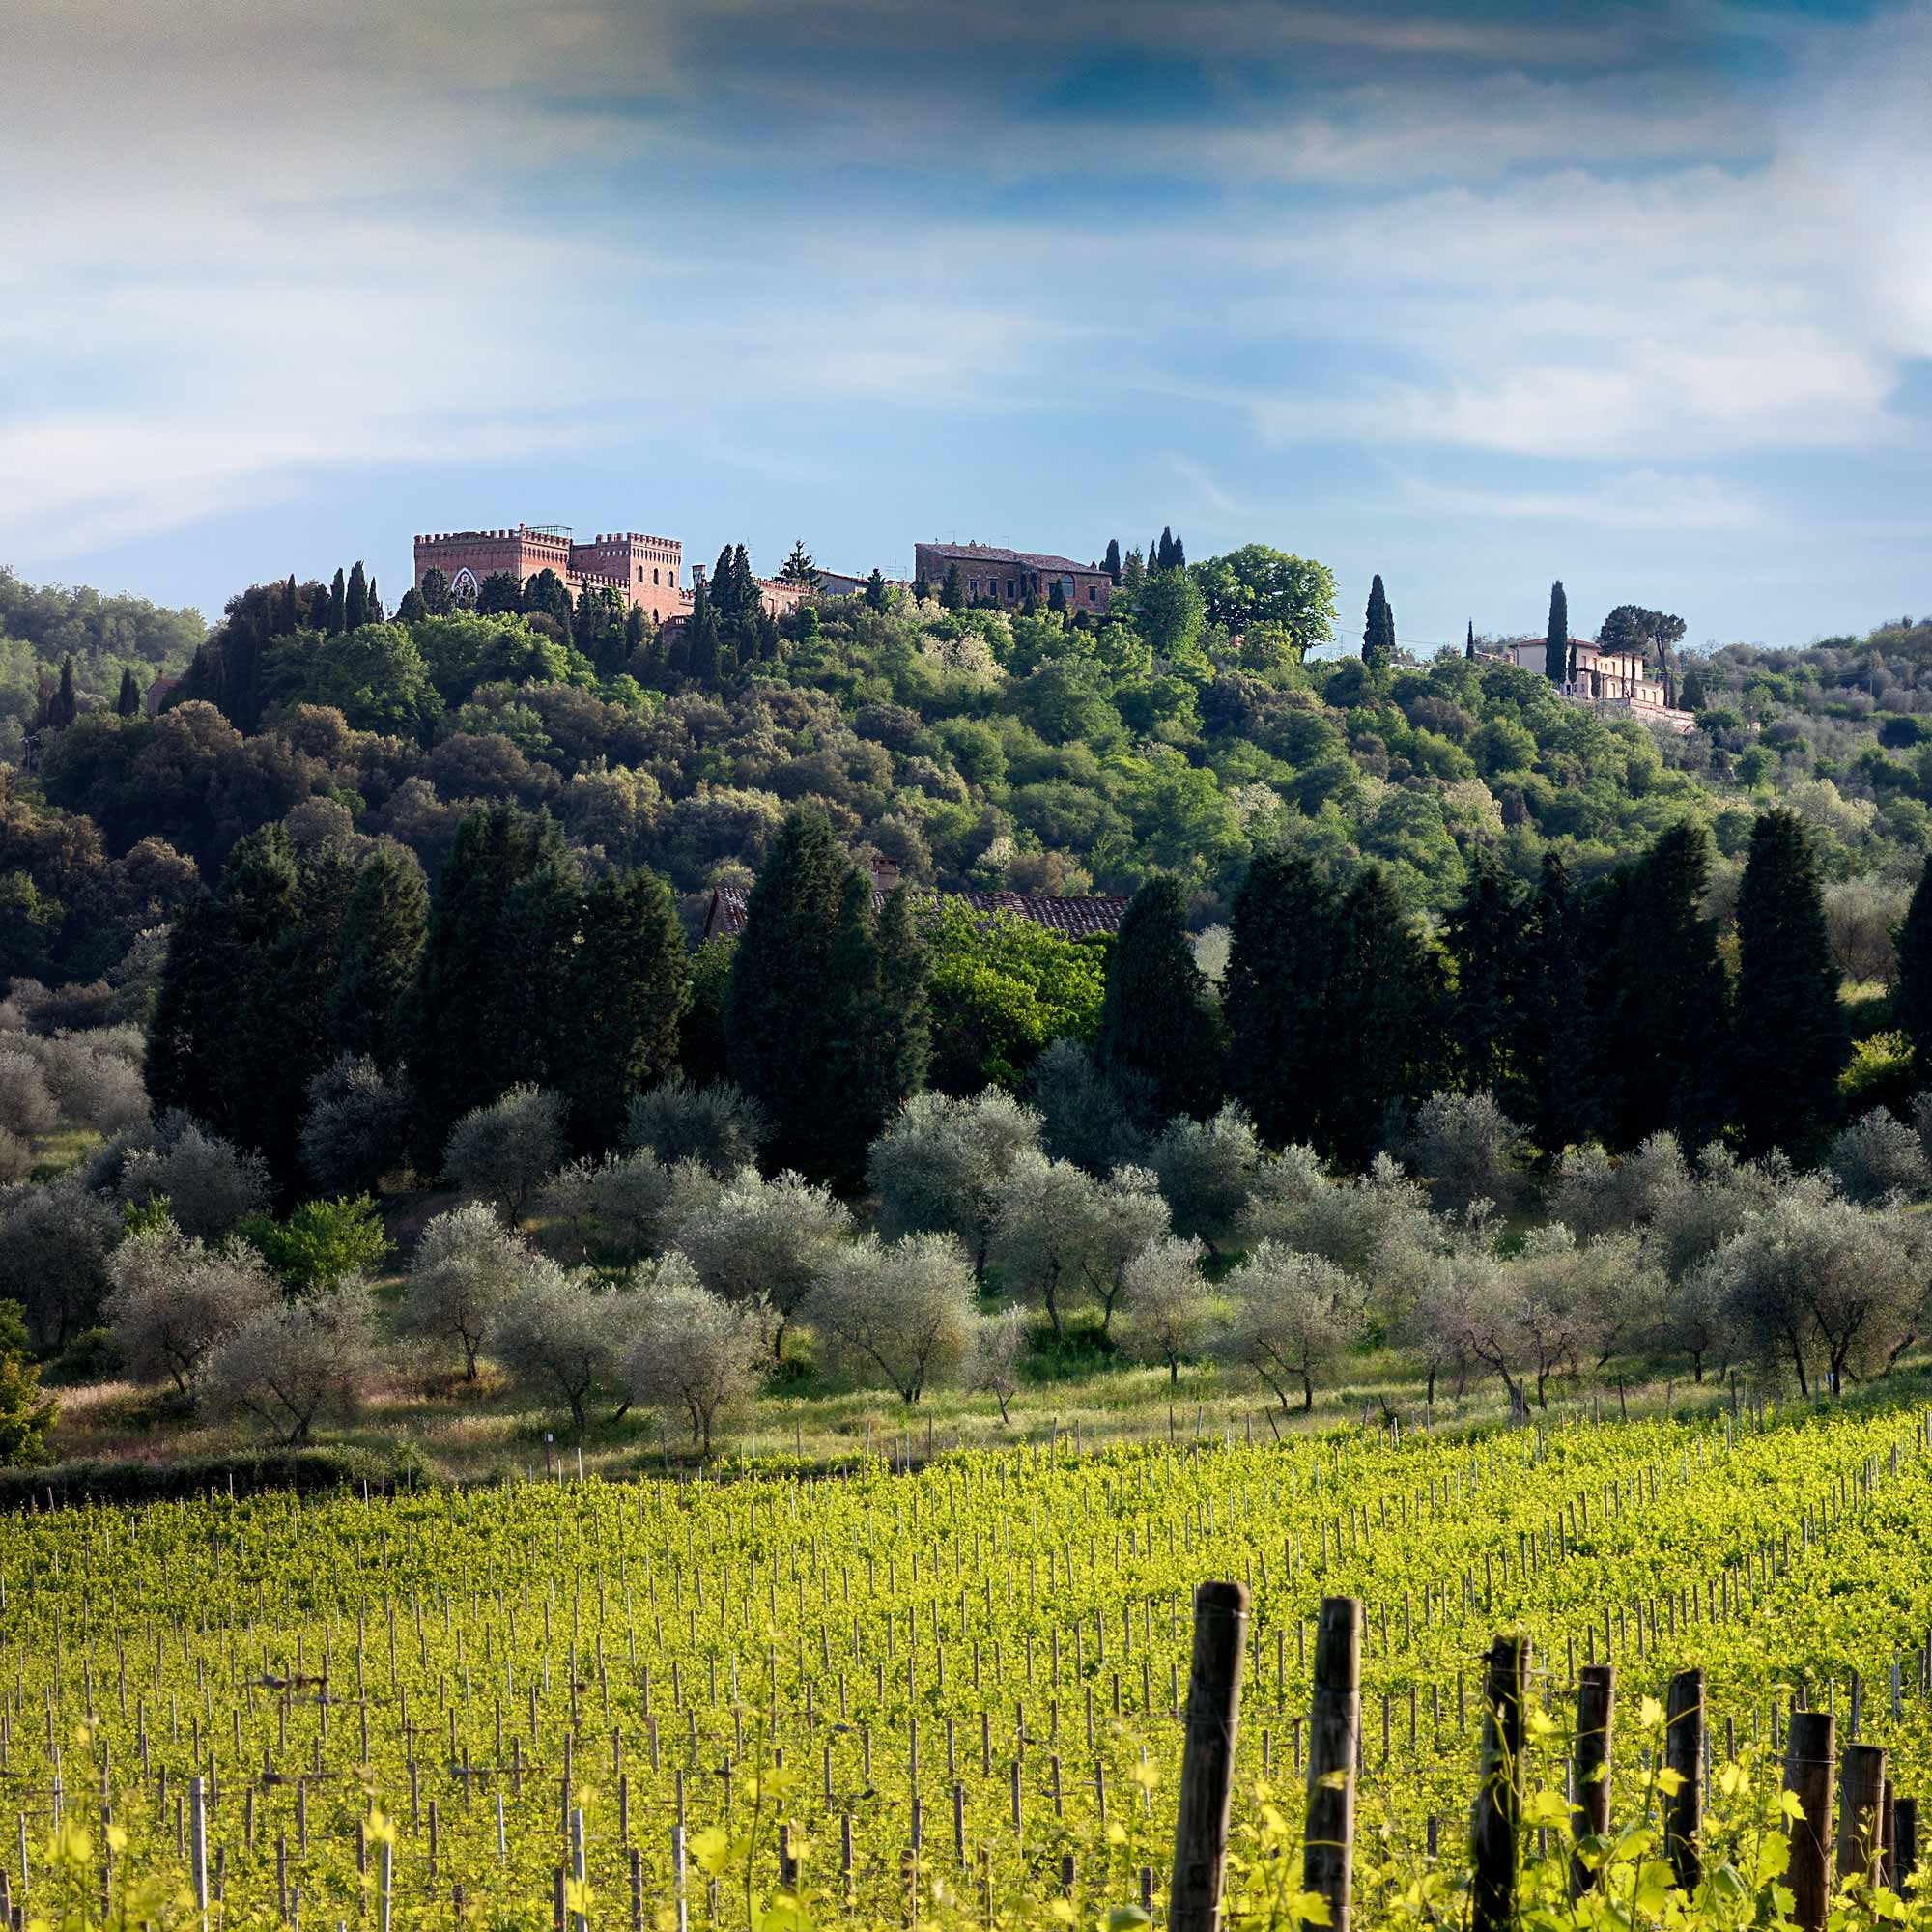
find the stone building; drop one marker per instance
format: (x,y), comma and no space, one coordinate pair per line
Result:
(643,570)
(1618,681)
(1007,578)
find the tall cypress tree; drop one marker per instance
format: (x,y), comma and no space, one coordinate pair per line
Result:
(1383,1044)
(904,1029)
(797,1024)
(375,611)
(383,934)
(1658,1002)
(127,701)
(702,644)
(502,932)
(1470,645)
(1159,1038)
(1488,938)
(1152,556)
(1789,1035)
(288,618)
(355,599)
(1912,990)
(622,999)
(1555,1053)
(1378,630)
(1557,640)
(1111,563)
(1282,939)
(953,591)
(63,707)
(338,603)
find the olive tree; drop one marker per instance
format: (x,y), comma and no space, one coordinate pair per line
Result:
(292,1365)
(465,1269)
(719,1125)
(173,1301)
(565,1338)
(898,1313)
(938,1166)
(1167,1301)
(26,1106)
(1466,1149)
(1878,1157)
(1595,1193)
(765,1241)
(1294,1317)
(95,1077)
(208,1183)
(999,1348)
(356,1129)
(54,1244)
(692,1352)
(507,1151)
(1206,1172)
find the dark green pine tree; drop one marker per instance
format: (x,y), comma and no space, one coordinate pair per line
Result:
(1056,599)
(338,603)
(952,592)
(876,590)
(501,930)
(904,1025)
(798,1015)
(1490,938)
(382,933)
(1384,1043)
(799,567)
(1911,989)
(127,701)
(637,635)
(1788,1031)
(1378,630)
(355,598)
(412,609)
(1557,640)
(1469,646)
(1282,938)
(1160,1042)
(617,1014)
(1657,997)
(63,707)
(1111,563)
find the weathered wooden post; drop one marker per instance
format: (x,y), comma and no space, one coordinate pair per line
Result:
(1498,1808)
(1334,1729)
(1596,1704)
(197,1827)
(1861,1810)
(1807,1775)
(1208,1756)
(1683,1754)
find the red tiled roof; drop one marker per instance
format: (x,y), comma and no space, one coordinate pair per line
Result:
(1070,917)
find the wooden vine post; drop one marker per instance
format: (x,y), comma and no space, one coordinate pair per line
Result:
(1498,1808)
(1684,1754)
(1596,1704)
(1208,1756)
(1808,1755)
(1334,1738)
(1860,1812)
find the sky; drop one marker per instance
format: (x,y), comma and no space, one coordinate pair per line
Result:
(1475,297)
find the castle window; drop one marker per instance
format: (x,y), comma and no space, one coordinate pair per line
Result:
(1093,593)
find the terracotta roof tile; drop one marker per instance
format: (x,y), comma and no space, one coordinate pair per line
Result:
(1070,917)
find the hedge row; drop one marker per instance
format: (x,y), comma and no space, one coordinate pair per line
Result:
(244,1473)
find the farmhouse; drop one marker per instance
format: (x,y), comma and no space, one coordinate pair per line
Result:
(1007,578)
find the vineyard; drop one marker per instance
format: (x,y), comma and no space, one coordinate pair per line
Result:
(951,1694)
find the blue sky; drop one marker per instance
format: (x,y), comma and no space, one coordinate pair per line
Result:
(1475,297)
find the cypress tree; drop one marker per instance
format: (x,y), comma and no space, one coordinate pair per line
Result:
(1557,640)
(1153,560)
(1164,551)
(1159,1040)
(1383,1037)
(1555,1053)
(1489,937)
(1282,938)
(375,601)
(412,609)
(798,1017)
(355,599)
(1658,1004)
(618,1010)
(127,703)
(287,618)
(65,706)
(701,653)
(1180,552)
(876,590)
(1789,1036)
(1469,647)
(338,598)
(383,932)
(1378,630)
(700,1044)
(904,1029)
(501,930)
(1111,563)
(1911,989)
(952,592)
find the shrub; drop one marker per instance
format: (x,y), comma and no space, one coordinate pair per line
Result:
(320,1243)
(25,1414)
(1878,1156)
(356,1129)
